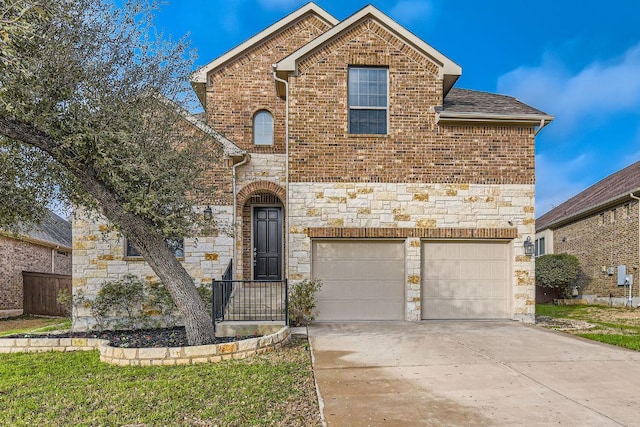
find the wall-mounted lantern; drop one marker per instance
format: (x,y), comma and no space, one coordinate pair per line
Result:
(208,213)
(528,247)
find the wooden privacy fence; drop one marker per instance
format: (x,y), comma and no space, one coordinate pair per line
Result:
(41,293)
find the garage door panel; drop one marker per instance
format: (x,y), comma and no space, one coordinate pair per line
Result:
(465,280)
(362,279)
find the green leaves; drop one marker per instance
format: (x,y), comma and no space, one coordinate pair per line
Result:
(557,270)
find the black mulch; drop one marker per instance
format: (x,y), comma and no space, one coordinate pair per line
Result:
(166,337)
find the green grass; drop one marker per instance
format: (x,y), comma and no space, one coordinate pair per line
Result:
(627,341)
(56,325)
(59,389)
(618,326)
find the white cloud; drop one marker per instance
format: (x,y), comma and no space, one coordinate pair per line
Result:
(593,93)
(407,11)
(555,183)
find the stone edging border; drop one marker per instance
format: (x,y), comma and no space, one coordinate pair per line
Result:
(150,356)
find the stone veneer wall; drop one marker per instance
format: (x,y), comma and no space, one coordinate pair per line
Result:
(605,239)
(17,256)
(419,206)
(98,256)
(150,356)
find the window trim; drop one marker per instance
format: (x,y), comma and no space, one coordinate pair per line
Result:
(359,107)
(253,127)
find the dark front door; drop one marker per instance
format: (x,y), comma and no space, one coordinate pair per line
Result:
(267,243)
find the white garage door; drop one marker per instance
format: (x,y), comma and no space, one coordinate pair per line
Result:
(466,280)
(361,280)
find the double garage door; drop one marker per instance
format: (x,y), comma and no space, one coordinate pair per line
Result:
(365,279)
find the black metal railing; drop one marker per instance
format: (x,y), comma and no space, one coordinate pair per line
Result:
(250,300)
(221,292)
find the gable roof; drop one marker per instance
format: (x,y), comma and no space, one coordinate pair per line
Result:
(612,190)
(449,70)
(53,231)
(199,77)
(472,105)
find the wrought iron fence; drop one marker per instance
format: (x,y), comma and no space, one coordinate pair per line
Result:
(249,300)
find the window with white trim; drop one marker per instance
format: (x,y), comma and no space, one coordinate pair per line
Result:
(263,128)
(368,100)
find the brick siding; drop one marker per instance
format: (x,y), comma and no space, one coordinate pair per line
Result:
(244,86)
(598,244)
(17,256)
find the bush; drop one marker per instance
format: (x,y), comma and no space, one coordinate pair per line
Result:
(302,302)
(131,303)
(558,271)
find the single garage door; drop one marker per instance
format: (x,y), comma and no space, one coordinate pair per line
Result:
(361,280)
(465,280)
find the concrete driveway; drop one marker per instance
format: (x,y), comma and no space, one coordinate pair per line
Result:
(471,374)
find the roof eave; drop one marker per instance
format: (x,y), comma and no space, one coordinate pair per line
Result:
(589,211)
(200,75)
(449,70)
(35,241)
(464,117)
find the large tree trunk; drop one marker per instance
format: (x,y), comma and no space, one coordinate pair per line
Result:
(141,233)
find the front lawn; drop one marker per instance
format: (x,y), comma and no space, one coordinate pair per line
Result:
(60,389)
(32,324)
(612,325)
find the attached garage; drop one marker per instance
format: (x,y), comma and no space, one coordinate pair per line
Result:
(361,279)
(466,280)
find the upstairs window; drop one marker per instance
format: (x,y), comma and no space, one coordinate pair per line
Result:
(368,100)
(263,128)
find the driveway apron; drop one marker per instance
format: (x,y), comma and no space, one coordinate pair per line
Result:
(470,374)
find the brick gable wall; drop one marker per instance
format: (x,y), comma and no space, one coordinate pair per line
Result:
(238,90)
(598,244)
(416,149)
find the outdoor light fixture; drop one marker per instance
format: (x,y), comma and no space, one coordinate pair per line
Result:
(208,213)
(528,247)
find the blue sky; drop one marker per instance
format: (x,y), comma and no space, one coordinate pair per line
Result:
(578,61)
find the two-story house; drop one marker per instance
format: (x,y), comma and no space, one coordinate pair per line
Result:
(352,158)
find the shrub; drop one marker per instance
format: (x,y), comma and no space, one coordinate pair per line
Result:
(131,303)
(558,271)
(302,302)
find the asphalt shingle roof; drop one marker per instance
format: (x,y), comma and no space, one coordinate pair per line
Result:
(610,188)
(52,229)
(473,101)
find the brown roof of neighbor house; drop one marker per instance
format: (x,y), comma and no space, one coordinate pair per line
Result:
(473,101)
(612,189)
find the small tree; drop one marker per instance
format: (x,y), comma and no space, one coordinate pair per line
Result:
(557,271)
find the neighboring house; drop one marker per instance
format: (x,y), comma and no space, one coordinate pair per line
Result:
(44,248)
(600,227)
(352,158)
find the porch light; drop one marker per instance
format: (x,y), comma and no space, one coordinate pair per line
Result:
(528,247)
(208,213)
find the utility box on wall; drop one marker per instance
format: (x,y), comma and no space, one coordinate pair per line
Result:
(624,279)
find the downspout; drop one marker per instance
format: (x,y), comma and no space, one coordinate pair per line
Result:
(53,261)
(638,270)
(543,123)
(245,159)
(286,166)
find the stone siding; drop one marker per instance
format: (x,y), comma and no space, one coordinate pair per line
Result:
(17,256)
(417,206)
(99,256)
(605,239)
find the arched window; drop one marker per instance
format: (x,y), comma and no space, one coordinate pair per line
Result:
(263,128)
